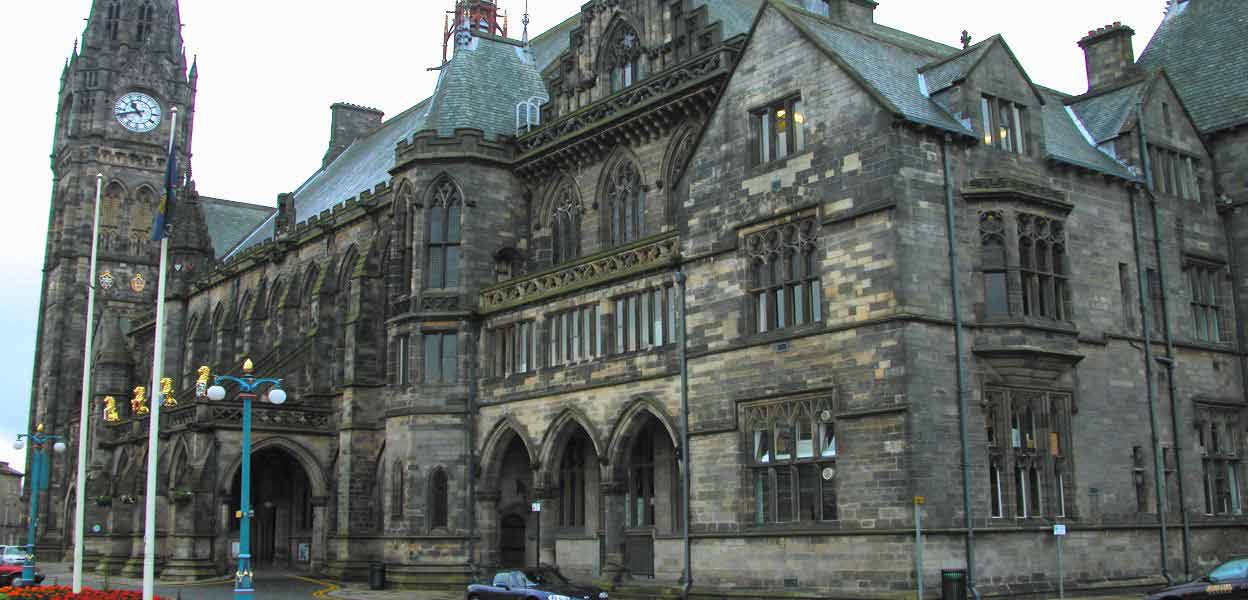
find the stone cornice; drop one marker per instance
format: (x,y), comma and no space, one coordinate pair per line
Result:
(650,253)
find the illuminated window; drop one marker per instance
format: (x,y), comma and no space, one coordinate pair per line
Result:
(777,131)
(1004,124)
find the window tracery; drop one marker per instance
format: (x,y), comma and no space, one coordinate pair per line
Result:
(445,208)
(784,275)
(626,201)
(1042,267)
(623,57)
(793,459)
(1028,458)
(565,224)
(992,242)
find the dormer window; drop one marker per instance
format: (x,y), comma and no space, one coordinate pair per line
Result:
(623,57)
(1003,124)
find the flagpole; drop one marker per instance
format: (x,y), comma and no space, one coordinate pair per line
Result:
(84,413)
(155,399)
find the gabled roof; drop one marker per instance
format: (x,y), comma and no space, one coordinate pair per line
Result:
(945,72)
(888,72)
(228,222)
(1064,142)
(1104,115)
(1201,45)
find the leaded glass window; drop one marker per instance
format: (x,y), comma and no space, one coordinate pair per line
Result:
(785,288)
(445,208)
(626,203)
(992,243)
(793,468)
(1043,267)
(565,224)
(1028,460)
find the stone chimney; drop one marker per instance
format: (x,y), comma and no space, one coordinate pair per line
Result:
(349,123)
(1108,54)
(855,12)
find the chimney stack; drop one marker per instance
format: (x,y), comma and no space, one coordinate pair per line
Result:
(1108,54)
(349,123)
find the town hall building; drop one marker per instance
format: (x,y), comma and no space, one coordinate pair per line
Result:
(820,268)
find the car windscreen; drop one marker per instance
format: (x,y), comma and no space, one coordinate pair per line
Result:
(1235,569)
(544,577)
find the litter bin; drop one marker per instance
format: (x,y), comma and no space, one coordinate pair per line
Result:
(953,584)
(376,576)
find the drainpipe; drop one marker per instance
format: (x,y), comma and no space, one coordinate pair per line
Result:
(1145,308)
(684,439)
(470,428)
(1169,359)
(960,351)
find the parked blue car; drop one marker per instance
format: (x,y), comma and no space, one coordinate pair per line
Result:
(532,584)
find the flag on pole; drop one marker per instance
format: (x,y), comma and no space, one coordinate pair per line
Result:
(164,213)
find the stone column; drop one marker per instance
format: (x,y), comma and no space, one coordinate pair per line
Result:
(549,522)
(615,499)
(487,528)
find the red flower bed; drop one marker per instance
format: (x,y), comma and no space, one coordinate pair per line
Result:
(46,592)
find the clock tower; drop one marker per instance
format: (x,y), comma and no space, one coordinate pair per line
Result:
(114,118)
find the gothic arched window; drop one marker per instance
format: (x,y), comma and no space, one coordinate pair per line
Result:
(992,241)
(112,20)
(438,499)
(626,201)
(622,58)
(445,207)
(147,16)
(565,224)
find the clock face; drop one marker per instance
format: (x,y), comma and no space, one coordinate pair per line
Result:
(138,112)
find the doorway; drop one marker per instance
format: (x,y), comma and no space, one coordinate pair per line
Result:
(281,500)
(512,541)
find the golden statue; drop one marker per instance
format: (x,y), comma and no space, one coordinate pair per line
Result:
(166,390)
(248,367)
(201,384)
(110,410)
(138,404)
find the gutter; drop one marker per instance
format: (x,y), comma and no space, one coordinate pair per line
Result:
(960,351)
(1146,321)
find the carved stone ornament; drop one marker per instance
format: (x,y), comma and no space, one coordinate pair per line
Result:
(138,284)
(107,280)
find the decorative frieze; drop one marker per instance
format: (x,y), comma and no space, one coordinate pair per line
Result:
(650,253)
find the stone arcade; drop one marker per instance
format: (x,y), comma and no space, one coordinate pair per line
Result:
(473,306)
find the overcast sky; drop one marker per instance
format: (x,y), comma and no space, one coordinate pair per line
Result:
(269,69)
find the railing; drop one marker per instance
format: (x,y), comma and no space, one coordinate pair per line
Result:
(650,253)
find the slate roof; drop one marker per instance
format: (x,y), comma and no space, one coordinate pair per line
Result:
(5,469)
(479,89)
(1104,115)
(548,45)
(888,70)
(1201,45)
(1064,142)
(228,222)
(942,74)
(481,86)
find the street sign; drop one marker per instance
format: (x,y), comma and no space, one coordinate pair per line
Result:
(1059,529)
(537,507)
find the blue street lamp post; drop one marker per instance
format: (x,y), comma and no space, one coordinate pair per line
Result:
(244,579)
(35,479)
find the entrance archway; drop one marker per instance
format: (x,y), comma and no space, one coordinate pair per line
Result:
(515,548)
(281,496)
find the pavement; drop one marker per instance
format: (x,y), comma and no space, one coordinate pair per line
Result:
(276,585)
(269,586)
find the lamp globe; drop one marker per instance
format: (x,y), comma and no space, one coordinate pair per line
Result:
(216,393)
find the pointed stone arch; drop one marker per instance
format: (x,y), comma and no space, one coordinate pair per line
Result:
(311,466)
(446,205)
(495,447)
(629,424)
(621,56)
(622,198)
(560,431)
(562,212)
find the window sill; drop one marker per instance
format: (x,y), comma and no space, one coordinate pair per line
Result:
(785,333)
(775,164)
